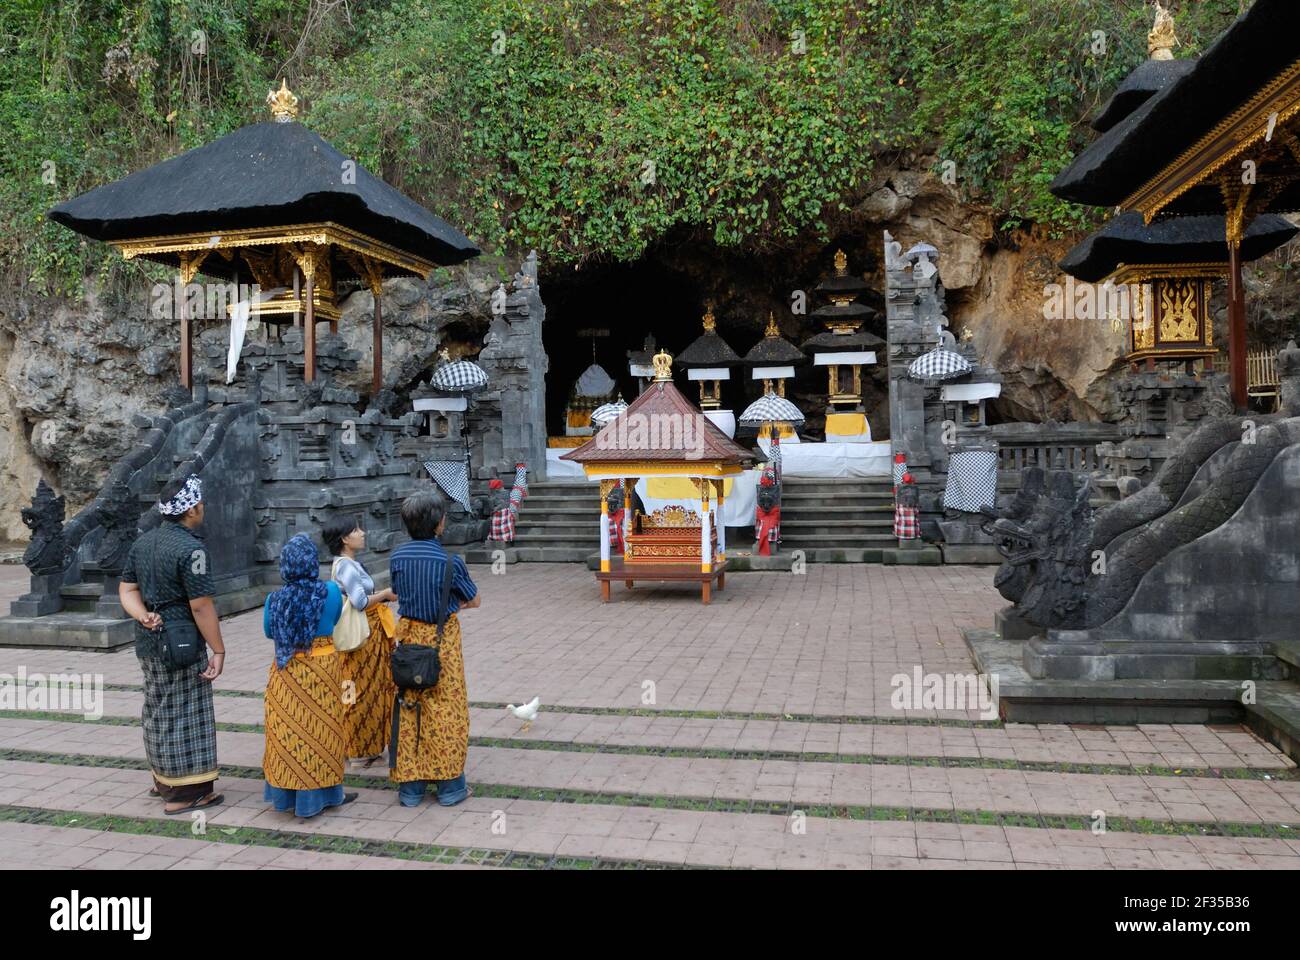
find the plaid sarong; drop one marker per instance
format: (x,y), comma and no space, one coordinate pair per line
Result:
(907,524)
(503,525)
(180,727)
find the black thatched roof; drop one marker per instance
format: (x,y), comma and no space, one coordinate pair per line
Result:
(1200,239)
(262,175)
(1255,49)
(849,313)
(775,352)
(708,350)
(1148,79)
(829,342)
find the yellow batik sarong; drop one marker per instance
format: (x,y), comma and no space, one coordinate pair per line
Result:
(368,691)
(305,742)
(443,736)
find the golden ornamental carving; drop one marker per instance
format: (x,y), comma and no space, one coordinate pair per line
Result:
(283,104)
(710,322)
(672,516)
(841,264)
(663,364)
(1178,309)
(772,329)
(1162,39)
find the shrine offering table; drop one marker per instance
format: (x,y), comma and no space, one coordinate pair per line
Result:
(662,572)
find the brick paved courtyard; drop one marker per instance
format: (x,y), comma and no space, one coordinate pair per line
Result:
(756,732)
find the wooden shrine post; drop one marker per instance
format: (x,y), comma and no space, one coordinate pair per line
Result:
(190,263)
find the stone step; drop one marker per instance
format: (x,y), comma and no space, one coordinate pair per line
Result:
(789,496)
(800,508)
(797,781)
(861,540)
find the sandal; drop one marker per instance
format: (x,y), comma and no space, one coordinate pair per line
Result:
(349,797)
(211,800)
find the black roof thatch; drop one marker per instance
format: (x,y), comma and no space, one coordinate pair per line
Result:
(829,342)
(1198,239)
(262,175)
(775,351)
(1146,80)
(1253,51)
(708,350)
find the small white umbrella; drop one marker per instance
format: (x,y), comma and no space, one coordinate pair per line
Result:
(607,412)
(770,408)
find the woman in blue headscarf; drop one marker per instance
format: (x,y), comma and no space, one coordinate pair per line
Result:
(305,743)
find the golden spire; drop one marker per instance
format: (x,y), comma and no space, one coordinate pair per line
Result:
(663,364)
(709,322)
(841,264)
(283,104)
(1161,40)
(772,329)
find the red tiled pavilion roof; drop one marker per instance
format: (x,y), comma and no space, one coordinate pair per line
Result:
(623,439)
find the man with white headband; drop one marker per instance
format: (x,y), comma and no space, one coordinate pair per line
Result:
(167,588)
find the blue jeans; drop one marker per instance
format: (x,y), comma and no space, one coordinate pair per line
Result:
(450,792)
(303,803)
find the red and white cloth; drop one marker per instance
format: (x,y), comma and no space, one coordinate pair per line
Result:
(767,529)
(503,525)
(907,523)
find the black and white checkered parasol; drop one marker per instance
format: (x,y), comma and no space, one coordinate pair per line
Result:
(938,364)
(606,412)
(458,376)
(770,408)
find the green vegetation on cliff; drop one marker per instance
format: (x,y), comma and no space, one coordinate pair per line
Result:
(584,128)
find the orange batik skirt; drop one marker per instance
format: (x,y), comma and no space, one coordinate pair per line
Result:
(435,749)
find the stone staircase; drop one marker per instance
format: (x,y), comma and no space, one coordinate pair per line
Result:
(845,520)
(559,522)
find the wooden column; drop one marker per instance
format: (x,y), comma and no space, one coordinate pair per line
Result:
(606,486)
(308,265)
(722,527)
(1237,329)
(375,279)
(190,263)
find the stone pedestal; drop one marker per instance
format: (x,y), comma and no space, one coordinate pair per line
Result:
(41,599)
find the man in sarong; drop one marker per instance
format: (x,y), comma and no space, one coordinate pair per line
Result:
(167,578)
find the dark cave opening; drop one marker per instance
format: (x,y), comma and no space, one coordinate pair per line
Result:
(665,294)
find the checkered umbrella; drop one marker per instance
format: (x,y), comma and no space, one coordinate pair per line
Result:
(458,376)
(939,364)
(770,408)
(607,412)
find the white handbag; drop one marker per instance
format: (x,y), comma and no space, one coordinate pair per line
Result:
(353,629)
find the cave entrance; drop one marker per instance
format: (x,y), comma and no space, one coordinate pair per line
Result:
(601,312)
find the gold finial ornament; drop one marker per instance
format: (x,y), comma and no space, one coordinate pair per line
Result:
(283,103)
(772,329)
(841,264)
(1162,40)
(663,364)
(710,323)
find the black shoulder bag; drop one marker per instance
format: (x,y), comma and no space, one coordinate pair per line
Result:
(181,645)
(417,667)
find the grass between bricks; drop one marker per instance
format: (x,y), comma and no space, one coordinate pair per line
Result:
(706,753)
(319,843)
(667,712)
(1138,825)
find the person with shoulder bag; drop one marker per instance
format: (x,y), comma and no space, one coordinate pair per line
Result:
(430,732)
(364,638)
(166,587)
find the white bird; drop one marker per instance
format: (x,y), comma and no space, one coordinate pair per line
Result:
(527,713)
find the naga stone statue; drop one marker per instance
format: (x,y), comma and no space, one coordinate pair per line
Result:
(119,514)
(1288,374)
(46,553)
(1045,538)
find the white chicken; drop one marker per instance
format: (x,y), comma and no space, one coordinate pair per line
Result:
(527,713)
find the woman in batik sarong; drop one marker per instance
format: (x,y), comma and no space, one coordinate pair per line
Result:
(305,746)
(433,725)
(367,675)
(167,578)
